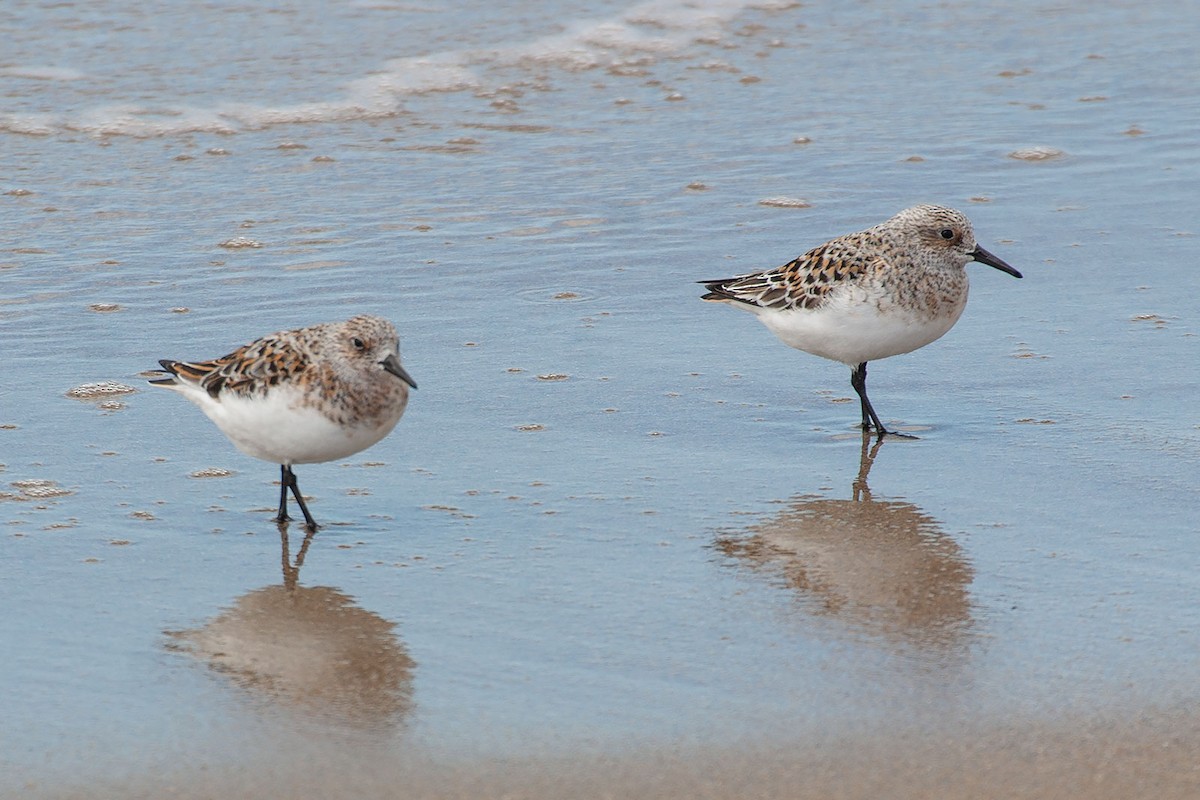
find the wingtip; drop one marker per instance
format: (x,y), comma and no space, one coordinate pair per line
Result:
(168,366)
(717,292)
(716,289)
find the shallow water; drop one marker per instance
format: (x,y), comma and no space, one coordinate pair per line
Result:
(613,519)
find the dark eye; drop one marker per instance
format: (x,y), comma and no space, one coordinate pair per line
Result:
(947,233)
(358,344)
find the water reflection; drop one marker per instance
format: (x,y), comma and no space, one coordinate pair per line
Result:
(310,649)
(881,566)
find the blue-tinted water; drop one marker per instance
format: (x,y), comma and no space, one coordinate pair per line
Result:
(609,560)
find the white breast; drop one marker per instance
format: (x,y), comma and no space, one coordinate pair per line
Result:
(278,428)
(852,331)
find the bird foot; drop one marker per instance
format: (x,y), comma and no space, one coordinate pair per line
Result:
(881,432)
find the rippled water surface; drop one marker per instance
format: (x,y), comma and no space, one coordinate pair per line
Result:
(614,518)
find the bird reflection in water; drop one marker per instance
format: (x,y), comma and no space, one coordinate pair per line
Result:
(879,566)
(310,649)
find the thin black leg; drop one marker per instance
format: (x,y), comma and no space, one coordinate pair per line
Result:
(858,379)
(282,516)
(289,480)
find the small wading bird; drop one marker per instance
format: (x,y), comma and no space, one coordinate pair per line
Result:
(302,396)
(864,296)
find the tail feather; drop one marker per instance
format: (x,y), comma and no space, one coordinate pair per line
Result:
(186,371)
(211,376)
(717,292)
(168,367)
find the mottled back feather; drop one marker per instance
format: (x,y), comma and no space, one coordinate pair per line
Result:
(247,370)
(804,282)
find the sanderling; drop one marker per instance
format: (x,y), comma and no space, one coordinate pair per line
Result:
(868,295)
(304,396)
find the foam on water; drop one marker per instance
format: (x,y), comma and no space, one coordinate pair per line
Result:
(565,535)
(650,30)
(40,73)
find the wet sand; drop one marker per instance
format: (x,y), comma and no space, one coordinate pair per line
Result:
(623,543)
(1151,755)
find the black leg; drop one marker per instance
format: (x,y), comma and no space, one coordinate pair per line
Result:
(858,379)
(288,481)
(282,516)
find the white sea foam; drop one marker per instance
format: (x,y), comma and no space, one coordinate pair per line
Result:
(381,94)
(658,27)
(645,31)
(31,124)
(39,72)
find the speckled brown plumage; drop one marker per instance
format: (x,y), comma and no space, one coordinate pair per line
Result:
(301,396)
(306,359)
(887,290)
(909,242)
(805,281)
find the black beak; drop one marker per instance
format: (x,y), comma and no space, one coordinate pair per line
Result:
(984,257)
(392,365)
